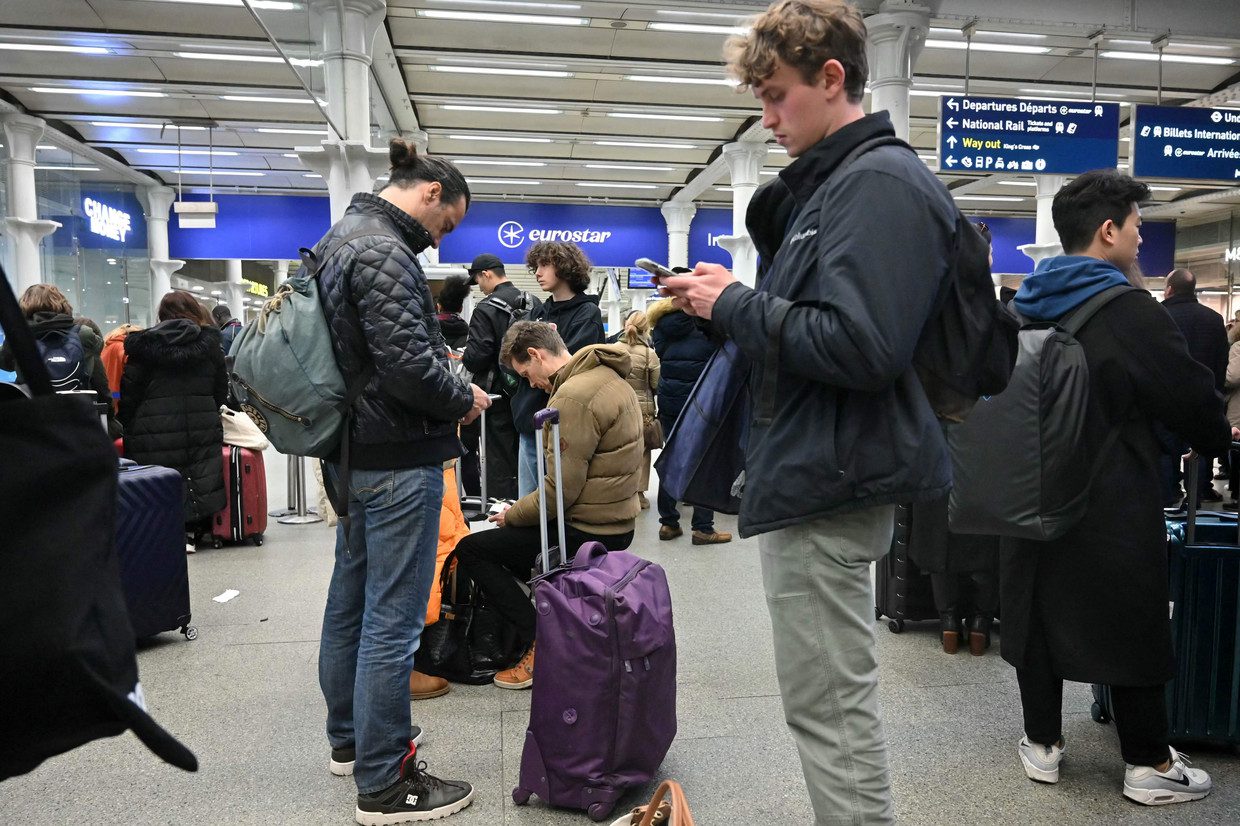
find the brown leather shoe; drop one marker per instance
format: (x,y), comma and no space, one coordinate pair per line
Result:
(667,532)
(711,538)
(424,686)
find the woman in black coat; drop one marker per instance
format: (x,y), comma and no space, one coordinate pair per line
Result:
(171,392)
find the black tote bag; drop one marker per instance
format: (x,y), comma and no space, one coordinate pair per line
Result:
(68,673)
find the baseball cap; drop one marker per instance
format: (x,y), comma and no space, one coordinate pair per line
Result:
(486,261)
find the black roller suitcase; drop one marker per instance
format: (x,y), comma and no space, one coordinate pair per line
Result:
(150,546)
(902,591)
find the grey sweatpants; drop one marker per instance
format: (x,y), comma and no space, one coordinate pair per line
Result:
(819,593)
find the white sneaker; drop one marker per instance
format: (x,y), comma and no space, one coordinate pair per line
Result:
(1041,762)
(1178,784)
(191,548)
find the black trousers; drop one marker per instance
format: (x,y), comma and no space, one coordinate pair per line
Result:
(1140,712)
(500,560)
(501,469)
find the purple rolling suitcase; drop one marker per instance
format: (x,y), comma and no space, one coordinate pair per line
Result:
(603,711)
(150,546)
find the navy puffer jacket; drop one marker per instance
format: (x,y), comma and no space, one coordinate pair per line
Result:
(683,351)
(381,312)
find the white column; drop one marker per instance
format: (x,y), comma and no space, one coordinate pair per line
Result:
(744,161)
(280,274)
(22,134)
(1046,238)
(161,282)
(679,217)
(615,321)
(158,201)
(894,39)
(638,299)
(235,292)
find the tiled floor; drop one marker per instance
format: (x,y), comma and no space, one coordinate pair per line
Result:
(244,696)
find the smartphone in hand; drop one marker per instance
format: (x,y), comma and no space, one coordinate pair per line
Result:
(651,266)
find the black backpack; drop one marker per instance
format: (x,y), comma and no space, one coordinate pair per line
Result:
(968,345)
(65,358)
(500,379)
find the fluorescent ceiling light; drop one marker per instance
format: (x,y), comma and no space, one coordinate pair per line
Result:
(222,172)
(511,110)
(1165,189)
(925,157)
(264,5)
(498,138)
(696,28)
(147,126)
(699,81)
(111,93)
(993,198)
(263,99)
(630,167)
(1017,183)
(725,189)
(1081,95)
(514,181)
(1006,48)
(198,288)
(217,292)
(513,3)
(640,145)
(52,47)
(312,175)
(482,61)
(318,132)
(712,14)
(776,148)
(500,17)
(47,148)
(238,58)
(489,70)
(773,172)
(174,151)
(605,185)
(1169,58)
(488,162)
(66,168)
(1025,35)
(1129,42)
(930,93)
(943,30)
(292,155)
(648,116)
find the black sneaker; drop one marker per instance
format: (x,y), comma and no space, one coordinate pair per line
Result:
(343,759)
(416,797)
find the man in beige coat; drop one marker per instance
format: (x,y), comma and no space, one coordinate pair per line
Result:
(601,447)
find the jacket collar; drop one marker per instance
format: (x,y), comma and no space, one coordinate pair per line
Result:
(1189,298)
(804,175)
(409,228)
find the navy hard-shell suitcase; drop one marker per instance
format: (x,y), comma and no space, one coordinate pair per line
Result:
(1203,699)
(902,591)
(150,546)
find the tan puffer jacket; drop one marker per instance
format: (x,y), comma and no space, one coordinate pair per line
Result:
(643,375)
(600,441)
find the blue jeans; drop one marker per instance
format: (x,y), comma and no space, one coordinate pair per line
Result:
(527,465)
(376,608)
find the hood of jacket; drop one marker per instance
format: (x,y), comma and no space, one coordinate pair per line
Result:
(120,333)
(1062,283)
(614,356)
(556,309)
(47,322)
(659,309)
(178,341)
(453,326)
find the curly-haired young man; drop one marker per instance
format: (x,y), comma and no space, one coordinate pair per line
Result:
(562,270)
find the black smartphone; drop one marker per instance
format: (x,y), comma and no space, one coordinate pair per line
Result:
(654,267)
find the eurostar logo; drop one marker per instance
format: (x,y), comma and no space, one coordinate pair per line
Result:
(511,234)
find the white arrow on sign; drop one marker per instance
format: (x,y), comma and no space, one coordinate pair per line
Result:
(951,123)
(953,104)
(951,161)
(1238,173)
(951,141)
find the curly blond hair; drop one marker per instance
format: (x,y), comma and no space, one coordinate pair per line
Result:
(803,34)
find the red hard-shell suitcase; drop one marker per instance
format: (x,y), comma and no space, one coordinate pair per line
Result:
(245,487)
(150,546)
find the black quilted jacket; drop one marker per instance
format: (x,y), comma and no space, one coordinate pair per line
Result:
(381,312)
(171,391)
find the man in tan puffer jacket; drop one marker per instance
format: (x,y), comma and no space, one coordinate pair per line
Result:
(601,446)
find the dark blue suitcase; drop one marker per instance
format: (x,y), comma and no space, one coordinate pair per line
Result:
(1203,699)
(150,546)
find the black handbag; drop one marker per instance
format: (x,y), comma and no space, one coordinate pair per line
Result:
(471,642)
(68,673)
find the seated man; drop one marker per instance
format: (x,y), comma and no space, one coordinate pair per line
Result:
(601,446)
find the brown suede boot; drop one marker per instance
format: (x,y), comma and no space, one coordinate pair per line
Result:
(424,686)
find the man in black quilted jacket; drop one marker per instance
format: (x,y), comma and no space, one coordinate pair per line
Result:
(1206,335)
(403,428)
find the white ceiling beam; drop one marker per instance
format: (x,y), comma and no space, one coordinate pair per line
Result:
(716,169)
(105,162)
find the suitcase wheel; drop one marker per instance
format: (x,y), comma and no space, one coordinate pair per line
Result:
(520,796)
(258,540)
(896,626)
(598,811)
(1099,714)
(217,543)
(190,632)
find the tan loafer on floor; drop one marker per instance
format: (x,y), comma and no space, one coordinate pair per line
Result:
(712,538)
(424,686)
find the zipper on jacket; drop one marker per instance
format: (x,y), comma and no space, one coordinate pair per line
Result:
(301,420)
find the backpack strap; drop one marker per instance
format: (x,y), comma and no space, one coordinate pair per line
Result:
(1077,318)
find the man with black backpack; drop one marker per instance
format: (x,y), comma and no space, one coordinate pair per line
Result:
(843,429)
(503,304)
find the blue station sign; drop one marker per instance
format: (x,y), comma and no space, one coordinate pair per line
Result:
(1034,137)
(1186,142)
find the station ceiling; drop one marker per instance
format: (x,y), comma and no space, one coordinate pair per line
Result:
(571,101)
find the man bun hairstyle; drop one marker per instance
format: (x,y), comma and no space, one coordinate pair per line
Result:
(409,169)
(570,263)
(1088,201)
(803,34)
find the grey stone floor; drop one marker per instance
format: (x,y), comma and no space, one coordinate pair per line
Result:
(244,696)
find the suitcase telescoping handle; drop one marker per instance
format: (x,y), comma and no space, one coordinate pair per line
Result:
(1190,486)
(543,417)
(482,456)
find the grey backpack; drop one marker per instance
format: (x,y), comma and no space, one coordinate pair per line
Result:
(1020,464)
